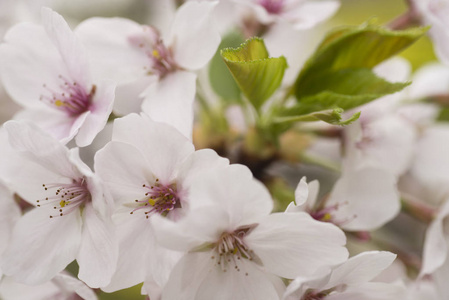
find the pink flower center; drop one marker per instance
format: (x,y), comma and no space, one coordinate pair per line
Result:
(66,198)
(231,248)
(314,295)
(272,6)
(161,61)
(326,214)
(69,97)
(159,198)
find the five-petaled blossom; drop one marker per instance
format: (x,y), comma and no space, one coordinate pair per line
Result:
(70,219)
(157,68)
(148,167)
(60,96)
(234,248)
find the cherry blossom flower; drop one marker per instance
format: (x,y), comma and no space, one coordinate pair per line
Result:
(243,249)
(434,13)
(148,167)
(302,14)
(60,96)
(364,199)
(159,69)
(70,219)
(350,280)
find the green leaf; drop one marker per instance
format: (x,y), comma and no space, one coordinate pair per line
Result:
(257,75)
(221,80)
(346,89)
(331,116)
(351,48)
(339,75)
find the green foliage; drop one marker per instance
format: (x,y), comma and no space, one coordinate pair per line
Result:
(221,80)
(331,116)
(339,76)
(257,75)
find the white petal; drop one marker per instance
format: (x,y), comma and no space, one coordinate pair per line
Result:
(171,101)
(42,246)
(60,126)
(430,80)
(98,254)
(301,192)
(137,240)
(360,268)
(100,109)
(124,170)
(112,55)
(128,95)
(435,251)
(42,148)
(370,291)
(73,284)
(194,37)
(186,277)
(366,199)
(431,161)
(197,163)
(309,13)
(294,244)
(235,190)
(161,145)
(189,232)
(29,59)
(247,284)
(70,48)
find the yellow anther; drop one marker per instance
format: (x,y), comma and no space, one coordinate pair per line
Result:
(156,54)
(327,217)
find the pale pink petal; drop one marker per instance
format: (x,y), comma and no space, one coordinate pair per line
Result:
(136,239)
(75,285)
(367,198)
(189,232)
(187,276)
(360,268)
(235,190)
(370,291)
(294,244)
(196,163)
(29,59)
(70,48)
(111,52)
(42,246)
(431,161)
(44,149)
(171,101)
(247,284)
(128,97)
(161,145)
(309,13)
(435,251)
(60,126)
(100,109)
(98,254)
(194,37)
(124,170)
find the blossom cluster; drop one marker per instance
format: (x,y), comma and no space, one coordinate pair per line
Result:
(126,160)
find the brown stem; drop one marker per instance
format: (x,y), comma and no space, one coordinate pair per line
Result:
(417,209)
(406,20)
